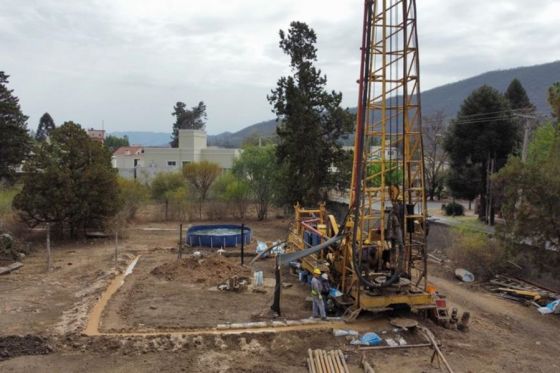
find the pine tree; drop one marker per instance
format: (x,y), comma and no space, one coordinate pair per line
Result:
(194,119)
(46,125)
(69,181)
(482,134)
(311,120)
(517,97)
(14,138)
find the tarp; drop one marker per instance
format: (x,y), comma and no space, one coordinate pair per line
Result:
(553,307)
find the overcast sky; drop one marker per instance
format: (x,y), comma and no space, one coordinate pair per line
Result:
(126,62)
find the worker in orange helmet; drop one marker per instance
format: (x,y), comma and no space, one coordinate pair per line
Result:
(316,296)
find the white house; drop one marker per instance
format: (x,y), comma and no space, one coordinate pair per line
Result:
(144,163)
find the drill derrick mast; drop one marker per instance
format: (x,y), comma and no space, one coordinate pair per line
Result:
(388,202)
(377,256)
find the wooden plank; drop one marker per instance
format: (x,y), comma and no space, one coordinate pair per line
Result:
(343,361)
(311,362)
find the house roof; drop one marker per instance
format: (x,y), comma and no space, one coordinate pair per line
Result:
(129,150)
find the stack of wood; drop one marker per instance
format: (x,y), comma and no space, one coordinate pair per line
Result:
(521,291)
(321,361)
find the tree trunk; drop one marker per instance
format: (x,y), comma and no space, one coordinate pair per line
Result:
(482,208)
(492,215)
(49,256)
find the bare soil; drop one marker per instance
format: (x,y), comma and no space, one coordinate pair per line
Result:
(42,316)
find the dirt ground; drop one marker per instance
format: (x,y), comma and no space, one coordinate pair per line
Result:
(42,316)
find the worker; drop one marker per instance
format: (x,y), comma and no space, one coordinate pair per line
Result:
(316,289)
(325,289)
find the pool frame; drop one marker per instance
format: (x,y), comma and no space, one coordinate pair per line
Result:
(232,240)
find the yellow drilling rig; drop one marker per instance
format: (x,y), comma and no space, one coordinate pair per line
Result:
(376,257)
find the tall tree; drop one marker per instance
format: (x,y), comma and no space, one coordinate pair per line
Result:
(68,181)
(481,138)
(201,176)
(257,165)
(115,142)
(517,97)
(554,100)
(311,120)
(185,119)
(529,190)
(433,132)
(15,141)
(46,125)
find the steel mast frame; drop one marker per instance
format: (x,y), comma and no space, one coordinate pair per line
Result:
(389,122)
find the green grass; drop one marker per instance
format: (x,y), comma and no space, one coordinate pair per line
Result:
(6,197)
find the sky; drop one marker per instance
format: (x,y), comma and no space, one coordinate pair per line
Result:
(123,64)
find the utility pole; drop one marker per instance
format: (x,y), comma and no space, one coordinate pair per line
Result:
(529,123)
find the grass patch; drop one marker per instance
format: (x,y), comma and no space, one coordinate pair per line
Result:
(478,252)
(6,197)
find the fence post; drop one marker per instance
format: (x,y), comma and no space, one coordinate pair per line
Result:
(180,248)
(242,242)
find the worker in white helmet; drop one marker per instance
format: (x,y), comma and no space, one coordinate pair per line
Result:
(316,296)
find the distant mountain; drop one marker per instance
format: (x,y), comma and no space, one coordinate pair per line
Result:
(234,140)
(448,98)
(535,79)
(145,138)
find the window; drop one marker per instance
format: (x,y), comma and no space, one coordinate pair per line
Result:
(172,163)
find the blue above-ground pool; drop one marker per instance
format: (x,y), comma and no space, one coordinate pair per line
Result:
(216,236)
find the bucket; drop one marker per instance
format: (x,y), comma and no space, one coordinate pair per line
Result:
(258,278)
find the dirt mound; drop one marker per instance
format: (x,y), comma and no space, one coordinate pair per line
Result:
(210,270)
(14,345)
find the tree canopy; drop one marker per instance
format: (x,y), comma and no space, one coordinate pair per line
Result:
(115,142)
(15,141)
(201,176)
(529,191)
(257,166)
(554,99)
(311,120)
(45,127)
(167,185)
(68,181)
(517,97)
(193,119)
(433,134)
(482,134)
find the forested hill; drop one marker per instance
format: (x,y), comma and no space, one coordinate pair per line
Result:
(536,80)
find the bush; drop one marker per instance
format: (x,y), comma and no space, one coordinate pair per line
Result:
(479,253)
(132,195)
(454,209)
(10,248)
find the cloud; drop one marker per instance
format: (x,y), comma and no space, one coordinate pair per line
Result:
(126,62)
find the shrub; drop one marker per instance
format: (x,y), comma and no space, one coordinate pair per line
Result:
(454,209)
(479,253)
(132,195)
